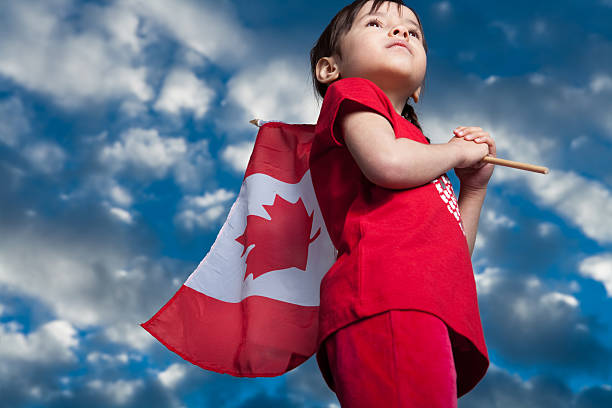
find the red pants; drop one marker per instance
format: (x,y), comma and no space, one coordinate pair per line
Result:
(400,358)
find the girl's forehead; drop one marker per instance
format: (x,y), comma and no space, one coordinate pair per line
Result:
(387,8)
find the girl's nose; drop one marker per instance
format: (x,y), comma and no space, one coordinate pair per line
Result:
(400,30)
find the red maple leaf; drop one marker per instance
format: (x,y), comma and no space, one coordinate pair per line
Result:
(282,241)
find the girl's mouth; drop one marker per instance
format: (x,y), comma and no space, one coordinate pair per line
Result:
(399,44)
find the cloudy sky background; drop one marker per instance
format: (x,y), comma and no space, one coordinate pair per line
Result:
(124,137)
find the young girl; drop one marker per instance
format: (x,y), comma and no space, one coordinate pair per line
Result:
(399,318)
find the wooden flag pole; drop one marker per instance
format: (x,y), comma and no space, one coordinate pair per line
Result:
(487,159)
(516,165)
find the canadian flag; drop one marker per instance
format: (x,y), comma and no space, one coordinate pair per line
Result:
(251,307)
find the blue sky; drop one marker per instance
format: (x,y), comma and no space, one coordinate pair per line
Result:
(124,137)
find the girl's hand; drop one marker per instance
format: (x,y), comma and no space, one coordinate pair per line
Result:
(476,176)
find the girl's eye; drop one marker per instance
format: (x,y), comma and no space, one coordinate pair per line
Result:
(379,24)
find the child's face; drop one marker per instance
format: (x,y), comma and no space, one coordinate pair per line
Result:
(367,49)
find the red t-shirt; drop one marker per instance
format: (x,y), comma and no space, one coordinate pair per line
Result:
(397,249)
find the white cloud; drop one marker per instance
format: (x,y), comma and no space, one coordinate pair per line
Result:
(491,79)
(203,211)
(121,23)
(579,141)
(443,7)
(606,122)
(546,228)
(238,155)
(144,149)
(172,375)
(115,198)
(53,276)
(600,83)
(535,302)
(537,79)
(598,267)
(192,170)
(78,54)
(480,242)
(130,334)
(120,195)
(540,27)
(490,220)
(574,286)
(533,282)
(122,215)
(46,157)
(133,108)
(75,275)
(210,30)
(550,299)
(13,121)
(149,155)
(182,90)
(487,279)
(15,175)
(191,58)
(120,391)
(210,199)
(509,30)
(280,90)
(498,220)
(585,203)
(96,357)
(53,342)
(45,53)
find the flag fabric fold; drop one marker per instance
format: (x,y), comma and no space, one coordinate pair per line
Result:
(251,307)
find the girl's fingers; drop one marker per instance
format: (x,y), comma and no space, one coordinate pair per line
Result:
(462,131)
(468,127)
(492,149)
(459,128)
(489,141)
(476,134)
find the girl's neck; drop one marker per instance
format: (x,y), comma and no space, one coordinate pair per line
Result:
(398,102)
(398,98)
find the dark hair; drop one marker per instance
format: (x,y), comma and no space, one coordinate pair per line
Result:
(329,44)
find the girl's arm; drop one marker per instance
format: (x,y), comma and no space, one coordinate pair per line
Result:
(474,181)
(470,204)
(401,163)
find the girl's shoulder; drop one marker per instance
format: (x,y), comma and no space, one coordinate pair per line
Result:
(364,94)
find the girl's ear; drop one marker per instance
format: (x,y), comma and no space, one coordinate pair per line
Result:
(416,94)
(327,70)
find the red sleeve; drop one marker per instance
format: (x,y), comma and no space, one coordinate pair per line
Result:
(364,94)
